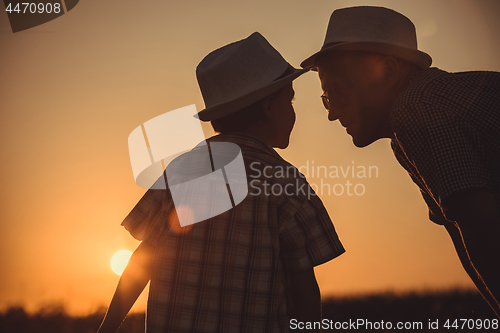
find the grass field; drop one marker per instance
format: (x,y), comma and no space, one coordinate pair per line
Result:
(410,308)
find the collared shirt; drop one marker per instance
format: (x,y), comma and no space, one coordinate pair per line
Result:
(447,134)
(229,273)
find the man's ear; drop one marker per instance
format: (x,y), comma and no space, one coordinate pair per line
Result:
(268,106)
(392,70)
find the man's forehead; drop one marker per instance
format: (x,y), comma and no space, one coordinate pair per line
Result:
(329,80)
(330,72)
(323,77)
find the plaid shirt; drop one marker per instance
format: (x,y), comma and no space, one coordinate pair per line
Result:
(447,134)
(229,273)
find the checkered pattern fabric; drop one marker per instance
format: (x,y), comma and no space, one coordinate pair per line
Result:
(229,273)
(447,134)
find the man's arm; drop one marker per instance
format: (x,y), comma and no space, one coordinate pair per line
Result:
(456,237)
(478,217)
(306,297)
(132,282)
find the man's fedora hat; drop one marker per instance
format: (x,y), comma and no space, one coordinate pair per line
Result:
(240,74)
(372,29)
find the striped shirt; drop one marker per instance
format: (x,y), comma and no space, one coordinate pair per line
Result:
(229,273)
(447,134)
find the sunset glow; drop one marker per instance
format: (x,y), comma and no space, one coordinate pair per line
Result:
(120,260)
(72,92)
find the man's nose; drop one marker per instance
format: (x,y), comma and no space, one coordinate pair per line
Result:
(333,114)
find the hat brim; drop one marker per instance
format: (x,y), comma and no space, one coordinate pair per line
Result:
(421,59)
(226,108)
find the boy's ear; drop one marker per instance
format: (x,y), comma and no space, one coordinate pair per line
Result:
(268,106)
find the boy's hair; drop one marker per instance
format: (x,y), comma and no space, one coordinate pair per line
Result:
(241,120)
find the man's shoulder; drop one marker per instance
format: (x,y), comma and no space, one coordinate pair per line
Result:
(436,93)
(419,86)
(434,85)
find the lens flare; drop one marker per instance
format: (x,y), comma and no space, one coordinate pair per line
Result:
(120,260)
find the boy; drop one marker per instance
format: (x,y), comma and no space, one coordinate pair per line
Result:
(249,269)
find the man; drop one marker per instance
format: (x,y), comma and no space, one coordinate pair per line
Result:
(249,269)
(444,127)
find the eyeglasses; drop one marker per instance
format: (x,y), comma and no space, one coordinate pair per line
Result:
(326,100)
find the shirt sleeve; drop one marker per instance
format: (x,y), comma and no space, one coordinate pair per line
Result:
(435,213)
(146,221)
(445,150)
(307,236)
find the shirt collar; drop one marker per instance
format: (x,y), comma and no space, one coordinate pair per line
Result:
(419,79)
(244,140)
(423,76)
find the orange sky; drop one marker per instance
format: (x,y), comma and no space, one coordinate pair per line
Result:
(74,88)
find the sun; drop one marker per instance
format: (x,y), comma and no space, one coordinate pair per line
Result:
(120,260)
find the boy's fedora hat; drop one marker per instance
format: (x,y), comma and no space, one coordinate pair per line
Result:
(240,74)
(372,29)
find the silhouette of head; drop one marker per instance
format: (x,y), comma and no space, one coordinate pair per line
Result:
(368,56)
(247,87)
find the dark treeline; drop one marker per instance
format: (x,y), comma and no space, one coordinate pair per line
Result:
(387,307)
(16,320)
(414,308)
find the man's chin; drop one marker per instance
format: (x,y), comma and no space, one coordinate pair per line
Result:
(361,142)
(360,145)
